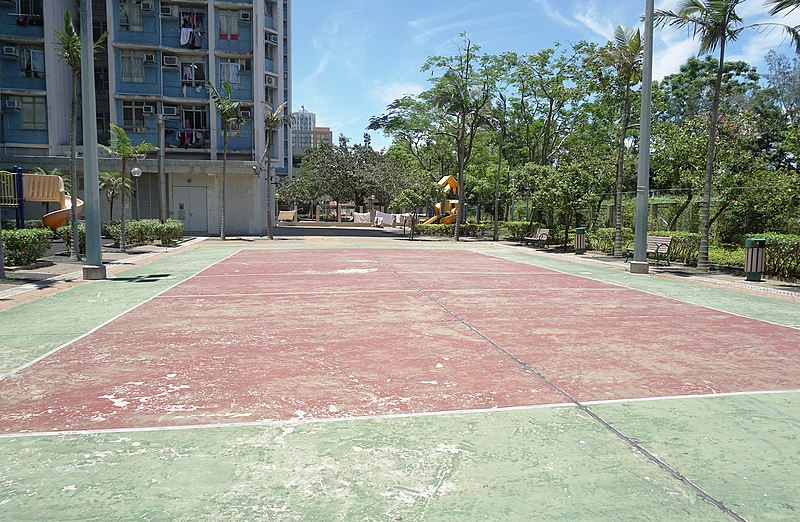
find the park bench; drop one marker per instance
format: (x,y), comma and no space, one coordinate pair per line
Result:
(287,215)
(657,247)
(538,237)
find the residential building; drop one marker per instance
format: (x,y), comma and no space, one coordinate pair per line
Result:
(306,134)
(154,68)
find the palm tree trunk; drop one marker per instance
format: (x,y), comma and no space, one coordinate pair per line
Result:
(268,210)
(73,174)
(626,114)
(702,256)
(122,210)
(224,172)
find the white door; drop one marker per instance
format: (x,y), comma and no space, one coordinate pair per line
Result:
(190,206)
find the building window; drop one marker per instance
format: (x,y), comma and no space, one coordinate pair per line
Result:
(130,15)
(193,74)
(31,62)
(192,23)
(101,78)
(133,116)
(34,112)
(229,25)
(193,133)
(229,69)
(132,66)
(29,12)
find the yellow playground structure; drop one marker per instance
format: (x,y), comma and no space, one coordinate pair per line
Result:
(449,213)
(37,188)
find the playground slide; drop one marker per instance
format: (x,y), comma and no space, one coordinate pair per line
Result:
(61,216)
(448,219)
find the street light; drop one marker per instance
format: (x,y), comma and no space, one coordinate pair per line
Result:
(372,209)
(136,173)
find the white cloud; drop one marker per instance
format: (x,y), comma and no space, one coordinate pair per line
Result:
(595,22)
(384,93)
(668,60)
(554,13)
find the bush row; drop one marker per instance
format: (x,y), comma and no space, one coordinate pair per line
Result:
(146,231)
(467,230)
(23,247)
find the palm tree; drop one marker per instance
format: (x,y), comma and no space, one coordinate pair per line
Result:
(113,184)
(625,56)
(273,119)
(122,148)
(776,6)
(68,48)
(715,23)
(229,114)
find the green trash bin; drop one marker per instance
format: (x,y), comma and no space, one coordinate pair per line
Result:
(580,240)
(754,258)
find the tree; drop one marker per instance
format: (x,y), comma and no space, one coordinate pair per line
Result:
(113,185)
(625,56)
(122,148)
(421,193)
(715,23)
(273,119)
(777,6)
(461,95)
(229,114)
(68,48)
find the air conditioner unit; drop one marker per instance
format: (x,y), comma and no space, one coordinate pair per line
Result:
(246,114)
(270,80)
(170,111)
(244,16)
(170,61)
(147,6)
(150,58)
(11,104)
(166,10)
(10,50)
(148,109)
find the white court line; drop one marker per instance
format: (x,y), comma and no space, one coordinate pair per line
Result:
(389,291)
(391,416)
(596,278)
(96,328)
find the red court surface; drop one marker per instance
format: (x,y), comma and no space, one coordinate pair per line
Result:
(277,335)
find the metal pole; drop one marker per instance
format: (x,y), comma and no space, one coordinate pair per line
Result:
(270,214)
(639,264)
(91,177)
(162,174)
(138,216)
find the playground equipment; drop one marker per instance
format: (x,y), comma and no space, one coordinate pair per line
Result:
(449,213)
(42,188)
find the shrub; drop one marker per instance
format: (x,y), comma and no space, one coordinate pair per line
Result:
(517,230)
(468,230)
(65,233)
(726,255)
(145,231)
(23,247)
(782,256)
(602,239)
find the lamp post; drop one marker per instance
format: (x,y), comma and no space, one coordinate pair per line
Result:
(372,209)
(136,173)
(639,264)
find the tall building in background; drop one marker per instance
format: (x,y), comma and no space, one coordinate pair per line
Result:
(306,134)
(155,66)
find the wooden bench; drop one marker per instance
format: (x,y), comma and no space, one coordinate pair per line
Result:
(657,246)
(538,238)
(287,215)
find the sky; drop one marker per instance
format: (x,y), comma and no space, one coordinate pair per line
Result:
(351,58)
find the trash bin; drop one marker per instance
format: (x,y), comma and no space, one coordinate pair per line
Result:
(580,240)
(754,258)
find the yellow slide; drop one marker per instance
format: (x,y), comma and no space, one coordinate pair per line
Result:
(50,189)
(450,187)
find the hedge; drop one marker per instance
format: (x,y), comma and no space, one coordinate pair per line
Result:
(23,247)
(145,231)
(65,233)
(468,230)
(517,230)
(782,255)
